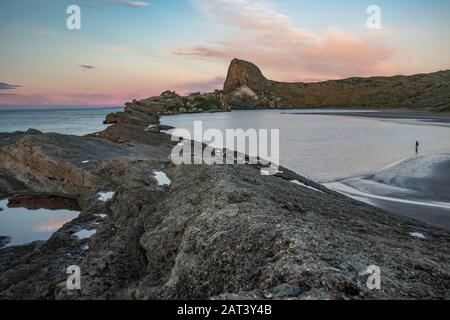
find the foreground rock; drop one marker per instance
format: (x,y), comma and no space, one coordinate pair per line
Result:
(47,201)
(4,241)
(214,232)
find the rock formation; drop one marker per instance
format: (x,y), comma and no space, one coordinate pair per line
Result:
(422,91)
(246,87)
(171,103)
(216,232)
(242,73)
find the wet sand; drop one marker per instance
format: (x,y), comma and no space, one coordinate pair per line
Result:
(435,187)
(441,175)
(431,117)
(438,217)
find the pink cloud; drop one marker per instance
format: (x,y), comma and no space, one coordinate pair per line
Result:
(53,224)
(85,67)
(255,31)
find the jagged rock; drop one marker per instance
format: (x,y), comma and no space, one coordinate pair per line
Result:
(53,163)
(247,88)
(171,103)
(33,131)
(287,290)
(113,118)
(216,232)
(10,185)
(217,229)
(243,73)
(422,91)
(4,240)
(47,201)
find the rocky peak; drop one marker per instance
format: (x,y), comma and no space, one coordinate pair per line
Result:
(242,73)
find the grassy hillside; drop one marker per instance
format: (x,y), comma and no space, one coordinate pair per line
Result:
(422,91)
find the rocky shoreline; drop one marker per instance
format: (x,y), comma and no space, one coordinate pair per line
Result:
(247,88)
(216,232)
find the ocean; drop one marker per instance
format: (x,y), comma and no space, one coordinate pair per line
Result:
(373,160)
(76,121)
(370,159)
(329,148)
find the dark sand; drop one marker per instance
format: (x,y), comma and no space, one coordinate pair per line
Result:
(438,217)
(437,183)
(431,117)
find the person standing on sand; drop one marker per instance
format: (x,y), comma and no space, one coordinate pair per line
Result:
(417,147)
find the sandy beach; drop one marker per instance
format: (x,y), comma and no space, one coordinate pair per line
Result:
(418,188)
(442,118)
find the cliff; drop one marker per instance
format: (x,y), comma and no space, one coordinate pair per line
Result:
(246,87)
(243,73)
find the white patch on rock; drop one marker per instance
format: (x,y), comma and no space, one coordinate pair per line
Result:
(270,171)
(268,295)
(417,235)
(103,216)
(162,178)
(244,91)
(150,127)
(304,185)
(85,161)
(85,234)
(105,196)
(363,273)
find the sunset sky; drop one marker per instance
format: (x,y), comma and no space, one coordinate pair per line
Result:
(136,49)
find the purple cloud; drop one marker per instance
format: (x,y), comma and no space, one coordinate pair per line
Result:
(85,67)
(7,86)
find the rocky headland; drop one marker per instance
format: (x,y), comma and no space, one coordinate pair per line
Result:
(214,232)
(246,87)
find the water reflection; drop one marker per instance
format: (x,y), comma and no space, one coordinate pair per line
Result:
(329,148)
(26,219)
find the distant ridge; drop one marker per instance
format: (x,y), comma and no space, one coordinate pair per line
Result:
(246,87)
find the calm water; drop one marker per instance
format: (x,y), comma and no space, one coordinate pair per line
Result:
(24,225)
(326,147)
(67,121)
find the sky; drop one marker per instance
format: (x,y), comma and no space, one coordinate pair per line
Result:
(128,50)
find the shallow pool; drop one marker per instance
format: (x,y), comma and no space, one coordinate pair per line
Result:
(30,219)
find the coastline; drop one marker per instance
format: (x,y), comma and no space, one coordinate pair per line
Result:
(429,117)
(417,188)
(423,204)
(214,232)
